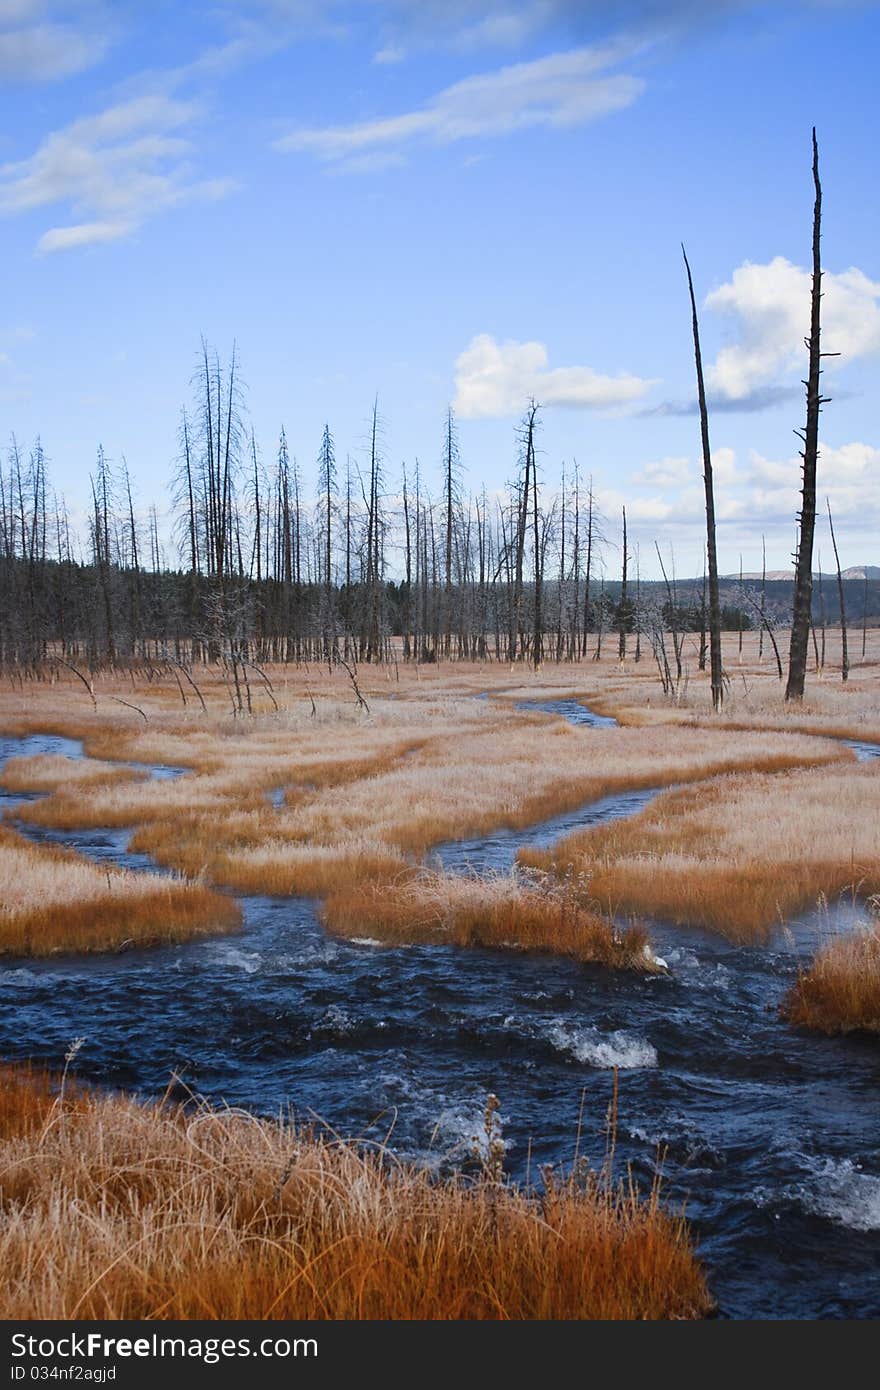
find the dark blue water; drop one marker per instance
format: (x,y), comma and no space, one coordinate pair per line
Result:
(770,1136)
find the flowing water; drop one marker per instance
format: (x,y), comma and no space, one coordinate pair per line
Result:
(770,1136)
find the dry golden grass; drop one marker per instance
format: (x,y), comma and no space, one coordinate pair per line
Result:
(52,773)
(492,912)
(54,902)
(116,1210)
(736,854)
(840,992)
(367,795)
(754,698)
(513,773)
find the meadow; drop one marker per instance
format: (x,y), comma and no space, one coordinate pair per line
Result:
(340,797)
(117,1208)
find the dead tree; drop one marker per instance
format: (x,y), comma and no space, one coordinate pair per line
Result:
(538,546)
(803,584)
(716,673)
(672,608)
(844,651)
(623,611)
(450,462)
(763,596)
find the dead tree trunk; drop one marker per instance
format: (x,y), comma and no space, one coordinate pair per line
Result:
(803,584)
(844,651)
(623,612)
(716,675)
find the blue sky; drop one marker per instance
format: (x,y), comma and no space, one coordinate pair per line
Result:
(466,202)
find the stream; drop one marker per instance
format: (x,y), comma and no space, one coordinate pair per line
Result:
(769,1137)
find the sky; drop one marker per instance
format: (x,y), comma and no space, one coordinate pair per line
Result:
(441,202)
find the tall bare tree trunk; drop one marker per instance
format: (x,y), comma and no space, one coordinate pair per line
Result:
(537,654)
(716,673)
(803,583)
(624,604)
(844,650)
(763,596)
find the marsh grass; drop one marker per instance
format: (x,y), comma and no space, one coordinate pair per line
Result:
(499,913)
(840,991)
(53,901)
(454,784)
(113,1209)
(51,773)
(737,854)
(754,696)
(367,797)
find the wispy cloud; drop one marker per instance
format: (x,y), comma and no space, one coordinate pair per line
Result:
(496,379)
(406,27)
(82,234)
(559,92)
(389,54)
(759,398)
(41,40)
(112,170)
(663,473)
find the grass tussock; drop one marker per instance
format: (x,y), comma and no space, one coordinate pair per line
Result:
(491,912)
(840,992)
(51,773)
(736,854)
(117,1210)
(53,901)
(27,1097)
(247,854)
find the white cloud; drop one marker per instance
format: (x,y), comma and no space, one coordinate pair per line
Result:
(647,509)
(679,480)
(113,170)
(391,53)
(82,234)
(724,470)
(496,379)
(35,46)
(848,474)
(561,91)
(667,472)
(770,305)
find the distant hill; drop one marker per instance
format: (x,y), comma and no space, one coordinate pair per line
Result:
(862,572)
(751,575)
(855,572)
(862,602)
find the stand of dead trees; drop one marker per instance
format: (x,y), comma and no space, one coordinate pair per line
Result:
(371,568)
(365,571)
(263,575)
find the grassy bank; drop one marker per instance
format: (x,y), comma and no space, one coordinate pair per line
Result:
(840,992)
(367,791)
(117,1210)
(738,854)
(53,902)
(501,913)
